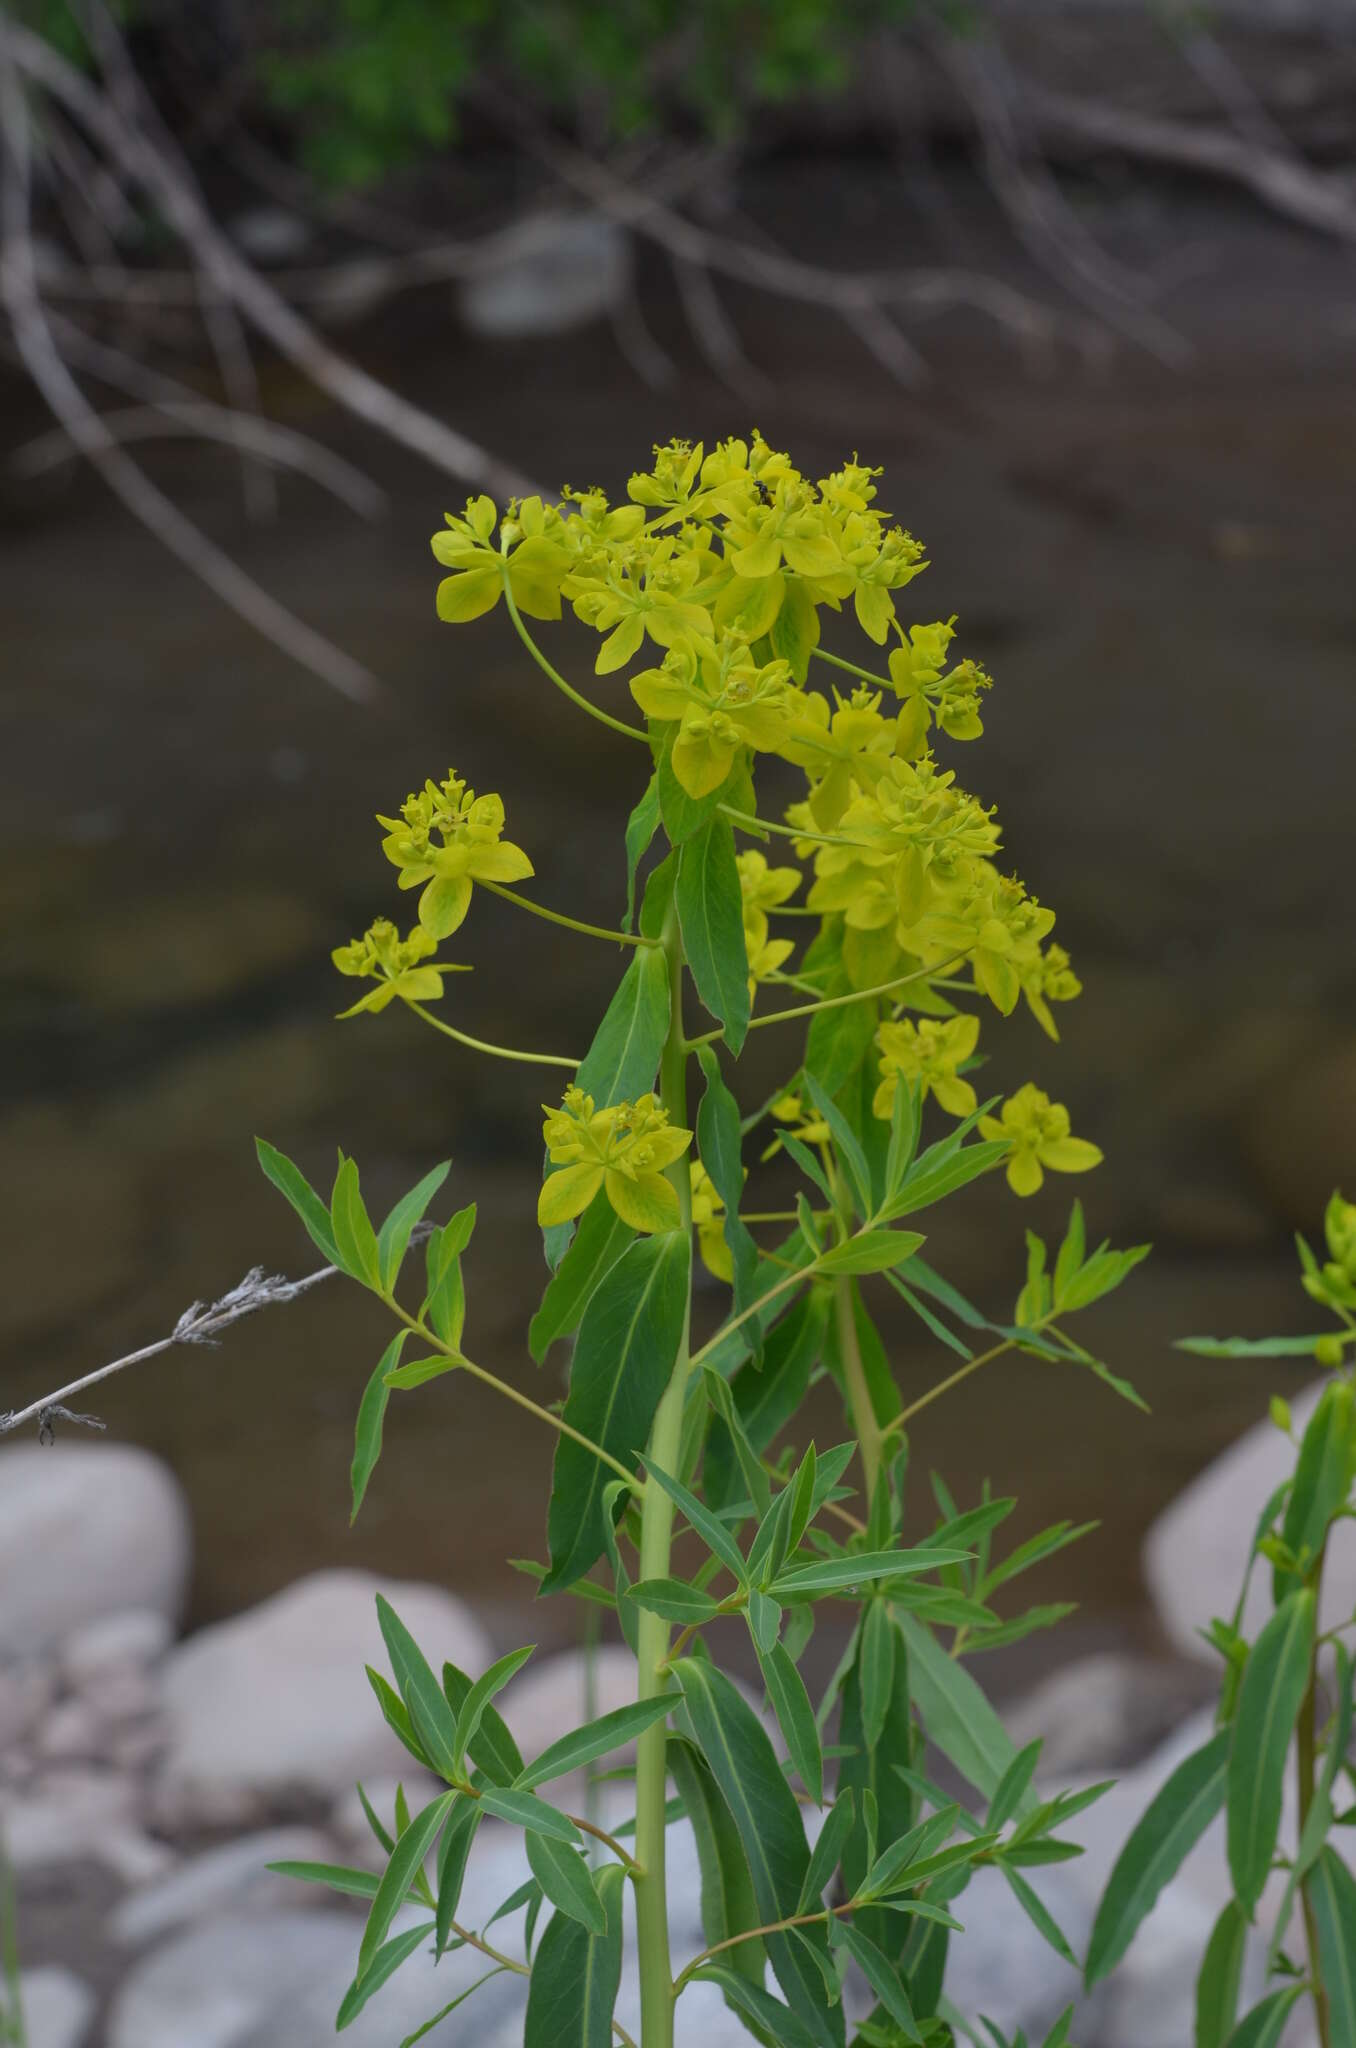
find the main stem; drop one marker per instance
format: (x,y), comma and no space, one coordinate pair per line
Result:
(656,1534)
(860,1404)
(1307,1742)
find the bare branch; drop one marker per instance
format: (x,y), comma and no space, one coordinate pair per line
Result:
(202,1323)
(716,332)
(41,358)
(256,299)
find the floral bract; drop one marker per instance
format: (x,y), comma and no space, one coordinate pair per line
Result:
(622,1150)
(1038,1131)
(468,848)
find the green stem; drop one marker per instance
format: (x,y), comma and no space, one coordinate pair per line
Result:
(1307,1742)
(525,1401)
(797,1273)
(856,995)
(656,1539)
(870,1437)
(837,661)
(954,1379)
(751,823)
(633,732)
(572,924)
(498,1052)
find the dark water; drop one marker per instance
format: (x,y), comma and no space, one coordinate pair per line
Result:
(1156,566)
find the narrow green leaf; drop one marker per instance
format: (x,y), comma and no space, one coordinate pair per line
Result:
(397,1715)
(371,1416)
(596,1738)
(877,1668)
(846,1144)
(711,915)
(623,1059)
(430,1715)
(576,1975)
(407,1860)
(828,1850)
(420,1371)
(383,1964)
(675,1600)
(641,827)
(870,1251)
(1166,1832)
(1265,2024)
(564,1877)
(359,1884)
(861,1568)
(623,1360)
(394,1235)
(955,1712)
(483,1690)
(713,1532)
(598,1242)
(1331,1891)
(1013,1785)
(352,1226)
(525,1810)
(1274,1684)
(421,2033)
(765,1619)
(872,1774)
(1038,1913)
(795,1717)
(905,1120)
(718,1142)
(1248,1347)
(750,1464)
(771,2020)
(1221,1975)
(940,1171)
(881,1974)
(729,1906)
(744,1764)
(1322,1475)
(454,1852)
(492,1747)
(839,1039)
(291,1182)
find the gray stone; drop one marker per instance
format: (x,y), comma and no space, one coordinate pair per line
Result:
(69,1733)
(275,1981)
(1105,1712)
(132,1637)
(553,1695)
(234,1878)
(556,271)
(69,1815)
(58,2008)
(25,1694)
(1196,1552)
(96,1527)
(271,1714)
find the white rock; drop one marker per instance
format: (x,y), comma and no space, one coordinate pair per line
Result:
(70,1815)
(85,1529)
(272,1710)
(69,1733)
(552,1695)
(1195,1553)
(234,1878)
(1102,1712)
(130,1638)
(58,2008)
(276,1980)
(557,271)
(25,1694)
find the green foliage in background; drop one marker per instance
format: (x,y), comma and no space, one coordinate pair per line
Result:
(868,920)
(1286,1705)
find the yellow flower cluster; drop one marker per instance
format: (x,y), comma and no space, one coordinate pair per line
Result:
(469,848)
(399,967)
(623,1150)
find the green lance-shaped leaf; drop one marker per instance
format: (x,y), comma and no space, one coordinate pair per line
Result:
(353,1233)
(744,1764)
(861,1568)
(1331,1891)
(491,1747)
(623,1360)
(839,1039)
(795,1717)
(711,916)
(483,1690)
(881,1974)
(454,1853)
(397,1716)
(1274,1684)
(430,1715)
(406,1861)
(846,1144)
(292,1182)
(675,1600)
(769,2020)
(712,1531)
(718,1142)
(870,1771)
(525,1810)
(955,1712)
(337,1877)
(1322,1476)
(565,1880)
(641,827)
(394,1235)
(766,1399)
(1217,1986)
(596,1738)
(576,1975)
(623,1059)
(1265,2024)
(598,1242)
(876,1667)
(384,1964)
(827,1853)
(371,1416)
(729,1905)
(1166,1832)
(871,1251)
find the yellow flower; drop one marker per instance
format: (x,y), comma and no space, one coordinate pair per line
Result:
(1038,1131)
(723,700)
(535,567)
(927,1052)
(708,1211)
(469,849)
(622,1150)
(762,889)
(806,1124)
(395,964)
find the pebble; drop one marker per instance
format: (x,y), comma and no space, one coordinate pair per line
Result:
(58,2008)
(232,1878)
(270,1714)
(99,1527)
(134,1638)
(563,271)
